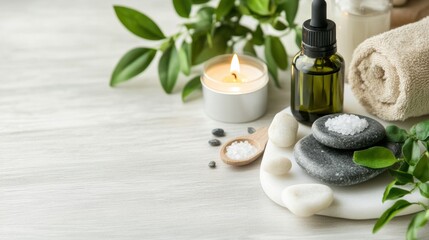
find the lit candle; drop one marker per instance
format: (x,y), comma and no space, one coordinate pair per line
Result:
(235,88)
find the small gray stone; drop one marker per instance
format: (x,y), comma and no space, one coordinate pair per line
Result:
(251,130)
(218,132)
(212,164)
(214,142)
(373,134)
(334,166)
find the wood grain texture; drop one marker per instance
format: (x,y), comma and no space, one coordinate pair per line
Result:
(79,160)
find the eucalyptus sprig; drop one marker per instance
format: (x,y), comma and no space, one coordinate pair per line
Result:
(207,31)
(410,173)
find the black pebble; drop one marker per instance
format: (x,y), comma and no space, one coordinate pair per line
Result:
(251,130)
(218,132)
(214,142)
(212,164)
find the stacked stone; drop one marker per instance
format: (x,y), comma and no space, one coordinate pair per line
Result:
(328,155)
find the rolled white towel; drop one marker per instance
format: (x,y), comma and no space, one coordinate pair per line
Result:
(389,73)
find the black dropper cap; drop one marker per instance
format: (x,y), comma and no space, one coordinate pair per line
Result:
(318,33)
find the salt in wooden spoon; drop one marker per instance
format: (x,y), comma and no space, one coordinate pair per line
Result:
(258,139)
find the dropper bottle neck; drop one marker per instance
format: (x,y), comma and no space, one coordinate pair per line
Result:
(318,33)
(318,14)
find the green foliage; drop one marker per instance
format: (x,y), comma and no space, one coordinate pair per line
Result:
(261,7)
(207,32)
(138,23)
(395,134)
(375,157)
(410,172)
(190,87)
(390,213)
(185,55)
(291,8)
(271,62)
(168,68)
(249,48)
(421,171)
(279,53)
(401,177)
(131,64)
(422,131)
(418,221)
(411,151)
(183,7)
(223,8)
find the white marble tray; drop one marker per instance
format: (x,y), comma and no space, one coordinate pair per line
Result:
(361,201)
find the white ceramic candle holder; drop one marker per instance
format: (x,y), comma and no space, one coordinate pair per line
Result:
(235,102)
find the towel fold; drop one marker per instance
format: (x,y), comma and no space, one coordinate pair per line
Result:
(389,73)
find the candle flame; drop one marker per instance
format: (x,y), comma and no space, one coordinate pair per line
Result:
(235,65)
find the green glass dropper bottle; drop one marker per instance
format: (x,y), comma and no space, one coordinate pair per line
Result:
(317,70)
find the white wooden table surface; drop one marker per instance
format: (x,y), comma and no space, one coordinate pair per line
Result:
(80,160)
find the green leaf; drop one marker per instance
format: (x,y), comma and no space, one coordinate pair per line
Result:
(243,9)
(426,145)
(413,130)
(421,171)
(395,193)
(249,49)
(209,40)
(419,220)
(298,36)
(168,68)
(387,190)
(411,151)
(131,64)
(223,8)
(396,134)
(402,178)
(200,1)
(261,7)
(240,30)
(201,50)
(191,86)
(291,9)
(166,44)
(422,130)
(271,62)
(258,36)
(203,23)
(424,189)
(183,7)
(405,167)
(279,53)
(375,157)
(279,25)
(185,58)
(138,23)
(390,213)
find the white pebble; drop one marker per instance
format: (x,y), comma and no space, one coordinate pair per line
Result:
(305,200)
(346,124)
(240,150)
(283,130)
(277,165)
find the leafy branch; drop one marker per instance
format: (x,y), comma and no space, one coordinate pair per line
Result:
(207,32)
(410,173)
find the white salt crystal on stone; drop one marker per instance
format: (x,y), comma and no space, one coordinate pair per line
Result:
(240,150)
(346,124)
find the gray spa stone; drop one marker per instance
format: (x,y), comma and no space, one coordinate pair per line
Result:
(334,166)
(371,135)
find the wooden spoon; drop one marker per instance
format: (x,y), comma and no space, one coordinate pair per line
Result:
(258,139)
